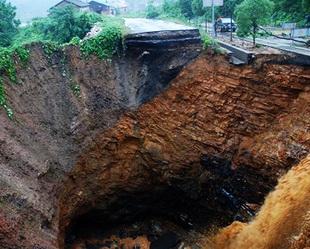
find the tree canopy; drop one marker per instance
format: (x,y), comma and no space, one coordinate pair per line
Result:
(186,8)
(251,14)
(60,26)
(197,7)
(306,5)
(65,23)
(291,11)
(151,10)
(8,23)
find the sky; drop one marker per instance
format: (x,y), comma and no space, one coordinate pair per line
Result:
(28,9)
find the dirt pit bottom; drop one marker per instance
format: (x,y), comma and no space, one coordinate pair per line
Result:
(150,234)
(167,217)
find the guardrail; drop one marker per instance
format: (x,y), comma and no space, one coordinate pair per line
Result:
(245,56)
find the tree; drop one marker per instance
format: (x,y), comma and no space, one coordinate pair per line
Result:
(290,10)
(171,8)
(65,23)
(151,11)
(197,8)
(8,23)
(251,14)
(186,8)
(229,7)
(306,5)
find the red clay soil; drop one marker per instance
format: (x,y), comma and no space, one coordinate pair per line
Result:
(256,116)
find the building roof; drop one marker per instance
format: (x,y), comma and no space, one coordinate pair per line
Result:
(101,2)
(77,3)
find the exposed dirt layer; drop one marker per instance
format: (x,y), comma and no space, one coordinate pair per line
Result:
(249,122)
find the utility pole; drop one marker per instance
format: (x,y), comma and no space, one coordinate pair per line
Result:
(231,29)
(212,4)
(213,19)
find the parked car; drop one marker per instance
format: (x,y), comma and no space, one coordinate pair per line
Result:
(226,25)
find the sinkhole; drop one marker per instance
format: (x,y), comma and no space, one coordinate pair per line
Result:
(167,216)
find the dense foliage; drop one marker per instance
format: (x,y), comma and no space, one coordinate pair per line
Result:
(8,23)
(60,26)
(197,8)
(170,8)
(229,8)
(107,43)
(66,23)
(64,26)
(251,14)
(151,10)
(284,10)
(291,11)
(186,8)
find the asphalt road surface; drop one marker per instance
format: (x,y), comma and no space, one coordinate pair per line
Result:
(142,25)
(284,45)
(273,42)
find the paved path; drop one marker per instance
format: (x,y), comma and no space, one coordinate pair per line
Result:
(142,25)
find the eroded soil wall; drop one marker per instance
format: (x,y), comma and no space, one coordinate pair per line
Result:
(254,117)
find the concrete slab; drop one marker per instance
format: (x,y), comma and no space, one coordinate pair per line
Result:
(142,25)
(239,56)
(156,34)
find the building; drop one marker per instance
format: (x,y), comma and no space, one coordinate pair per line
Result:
(80,5)
(104,7)
(100,8)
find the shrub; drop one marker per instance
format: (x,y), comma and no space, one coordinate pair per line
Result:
(106,44)
(7,66)
(75,41)
(208,42)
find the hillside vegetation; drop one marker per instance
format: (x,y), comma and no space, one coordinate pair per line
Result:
(63,27)
(283,11)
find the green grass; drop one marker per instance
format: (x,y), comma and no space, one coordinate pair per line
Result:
(3,101)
